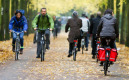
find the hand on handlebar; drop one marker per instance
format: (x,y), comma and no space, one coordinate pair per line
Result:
(35,29)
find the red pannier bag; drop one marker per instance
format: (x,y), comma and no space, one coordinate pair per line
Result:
(101,54)
(113,55)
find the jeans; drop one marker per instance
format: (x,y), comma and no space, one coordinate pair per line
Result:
(21,39)
(87,40)
(47,36)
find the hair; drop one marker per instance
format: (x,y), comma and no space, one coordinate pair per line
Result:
(17,11)
(43,8)
(92,16)
(108,11)
(75,14)
(99,13)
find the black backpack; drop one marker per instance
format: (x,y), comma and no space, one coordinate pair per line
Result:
(39,19)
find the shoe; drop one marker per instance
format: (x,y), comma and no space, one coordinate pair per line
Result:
(93,57)
(101,64)
(47,47)
(111,63)
(37,56)
(21,51)
(78,49)
(86,49)
(69,55)
(13,48)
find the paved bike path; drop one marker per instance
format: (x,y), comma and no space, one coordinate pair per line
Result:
(57,66)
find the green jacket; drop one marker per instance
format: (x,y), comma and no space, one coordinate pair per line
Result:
(44,22)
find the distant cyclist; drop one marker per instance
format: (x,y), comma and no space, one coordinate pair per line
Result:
(74,24)
(43,21)
(85,29)
(18,23)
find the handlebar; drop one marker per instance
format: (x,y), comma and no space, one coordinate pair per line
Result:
(17,32)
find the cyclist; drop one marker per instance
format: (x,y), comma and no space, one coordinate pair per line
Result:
(85,29)
(74,24)
(43,21)
(18,23)
(56,25)
(108,28)
(93,31)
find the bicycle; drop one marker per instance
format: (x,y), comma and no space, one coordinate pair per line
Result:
(83,34)
(43,44)
(98,46)
(17,48)
(108,56)
(74,51)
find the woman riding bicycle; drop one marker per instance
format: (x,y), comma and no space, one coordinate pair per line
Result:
(74,24)
(108,29)
(18,23)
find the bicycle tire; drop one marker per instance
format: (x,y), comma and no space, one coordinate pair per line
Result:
(82,48)
(74,55)
(105,67)
(16,51)
(42,54)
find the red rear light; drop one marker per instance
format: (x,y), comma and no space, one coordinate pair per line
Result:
(98,42)
(75,40)
(108,49)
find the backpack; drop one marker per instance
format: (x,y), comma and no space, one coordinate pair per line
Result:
(39,19)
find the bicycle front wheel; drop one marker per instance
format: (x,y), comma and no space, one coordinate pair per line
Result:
(43,52)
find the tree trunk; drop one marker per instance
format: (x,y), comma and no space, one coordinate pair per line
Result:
(6,20)
(123,26)
(2,21)
(127,36)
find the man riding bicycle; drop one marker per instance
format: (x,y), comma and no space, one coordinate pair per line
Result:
(18,23)
(108,29)
(74,24)
(43,21)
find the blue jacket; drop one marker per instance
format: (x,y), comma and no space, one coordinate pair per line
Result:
(18,25)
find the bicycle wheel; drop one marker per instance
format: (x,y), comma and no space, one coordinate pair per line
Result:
(74,55)
(42,54)
(82,48)
(105,67)
(17,51)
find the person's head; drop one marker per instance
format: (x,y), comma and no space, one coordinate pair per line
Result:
(108,11)
(92,16)
(43,11)
(83,15)
(99,14)
(18,14)
(54,18)
(75,14)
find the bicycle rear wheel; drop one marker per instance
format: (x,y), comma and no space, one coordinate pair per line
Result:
(106,67)
(82,49)
(74,55)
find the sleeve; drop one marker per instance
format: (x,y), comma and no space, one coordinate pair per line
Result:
(99,27)
(88,25)
(25,27)
(116,27)
(67,26)
(34,22)
(81,23)
(91,26)
(51,22)
(11,23)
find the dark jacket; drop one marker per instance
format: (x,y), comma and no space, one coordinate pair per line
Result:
(94,25)
(74,24)
(108,27)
